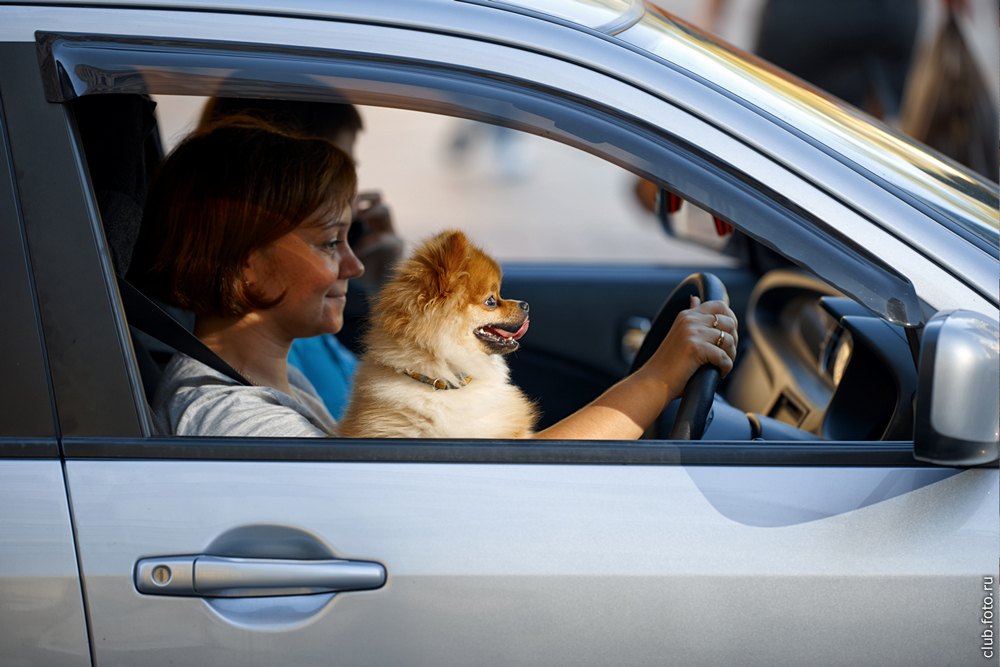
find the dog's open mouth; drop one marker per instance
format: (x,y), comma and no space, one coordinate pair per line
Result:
(499,338)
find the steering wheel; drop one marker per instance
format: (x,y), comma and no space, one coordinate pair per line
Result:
(696,401)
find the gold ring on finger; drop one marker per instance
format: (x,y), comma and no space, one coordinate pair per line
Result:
(715,324)
(722,336)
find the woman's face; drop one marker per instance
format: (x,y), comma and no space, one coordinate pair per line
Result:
(311,265)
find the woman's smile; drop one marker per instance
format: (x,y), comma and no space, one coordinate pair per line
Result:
(310,266)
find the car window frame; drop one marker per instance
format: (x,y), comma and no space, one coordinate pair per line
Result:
(103,443)
(27,429)
(78,304)
(101,65)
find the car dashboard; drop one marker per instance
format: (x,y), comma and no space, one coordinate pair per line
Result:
(822,363)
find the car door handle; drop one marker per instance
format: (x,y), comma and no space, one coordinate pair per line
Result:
(217,576)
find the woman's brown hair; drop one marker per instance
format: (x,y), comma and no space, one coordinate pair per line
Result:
(229,189)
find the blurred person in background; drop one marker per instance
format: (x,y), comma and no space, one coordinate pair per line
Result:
(857,50)
(863,51)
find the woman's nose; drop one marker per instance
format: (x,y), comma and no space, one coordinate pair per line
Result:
(350,265)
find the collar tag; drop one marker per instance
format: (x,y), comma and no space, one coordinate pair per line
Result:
(435,382)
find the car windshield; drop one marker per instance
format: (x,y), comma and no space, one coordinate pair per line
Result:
(953,191)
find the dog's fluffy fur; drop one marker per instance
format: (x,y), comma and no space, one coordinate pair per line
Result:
(441,317)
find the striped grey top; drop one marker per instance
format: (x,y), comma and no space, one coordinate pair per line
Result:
(194,399)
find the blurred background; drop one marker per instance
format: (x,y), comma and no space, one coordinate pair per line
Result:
(739,22)
(506,189)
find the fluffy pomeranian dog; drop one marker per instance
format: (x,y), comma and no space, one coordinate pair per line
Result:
(434,365)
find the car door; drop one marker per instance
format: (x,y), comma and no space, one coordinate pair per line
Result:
(257,551)
(41,602)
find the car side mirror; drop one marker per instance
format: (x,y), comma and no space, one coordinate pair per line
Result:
(666,204)
(957,413)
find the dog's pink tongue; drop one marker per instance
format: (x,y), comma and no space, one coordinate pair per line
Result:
(497,331)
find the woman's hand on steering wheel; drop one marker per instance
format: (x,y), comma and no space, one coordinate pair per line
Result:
(706,333)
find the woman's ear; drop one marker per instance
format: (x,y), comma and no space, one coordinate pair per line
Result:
(255,271)
(255,268)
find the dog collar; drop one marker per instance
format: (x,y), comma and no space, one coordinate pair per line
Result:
(435,382)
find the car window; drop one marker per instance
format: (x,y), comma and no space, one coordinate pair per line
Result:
(523,197)
(535,202)
(535,205)
(589,308)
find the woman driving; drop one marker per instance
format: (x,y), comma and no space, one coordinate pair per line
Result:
(246,227)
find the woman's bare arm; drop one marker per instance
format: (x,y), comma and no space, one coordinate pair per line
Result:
(627,409)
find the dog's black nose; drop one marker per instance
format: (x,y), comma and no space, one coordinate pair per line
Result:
(523,305)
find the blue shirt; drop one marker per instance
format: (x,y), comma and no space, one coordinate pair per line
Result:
(329,366)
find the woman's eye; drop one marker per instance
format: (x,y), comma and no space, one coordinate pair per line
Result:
(331,245)
(491,302)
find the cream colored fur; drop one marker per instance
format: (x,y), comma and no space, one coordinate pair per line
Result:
(424,321)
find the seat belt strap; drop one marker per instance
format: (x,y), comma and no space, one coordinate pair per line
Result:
(147,317)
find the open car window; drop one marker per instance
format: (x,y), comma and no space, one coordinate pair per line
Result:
(784,220)
(578,211)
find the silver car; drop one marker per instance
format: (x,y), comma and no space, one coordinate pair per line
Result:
(840,508)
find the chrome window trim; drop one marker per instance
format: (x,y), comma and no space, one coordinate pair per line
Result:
(632,12)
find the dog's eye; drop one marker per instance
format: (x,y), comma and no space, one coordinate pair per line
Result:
(491,302)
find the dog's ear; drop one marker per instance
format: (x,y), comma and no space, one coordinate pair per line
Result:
(445,256)
(433,272)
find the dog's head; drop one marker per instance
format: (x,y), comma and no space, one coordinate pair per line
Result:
(446,296)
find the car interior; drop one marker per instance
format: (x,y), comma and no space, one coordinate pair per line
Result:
(813,363)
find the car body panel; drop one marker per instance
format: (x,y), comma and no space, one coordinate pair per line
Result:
(72,274)
(41,604)
(42,618)
(25,390)
(609,17)
(513,564)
